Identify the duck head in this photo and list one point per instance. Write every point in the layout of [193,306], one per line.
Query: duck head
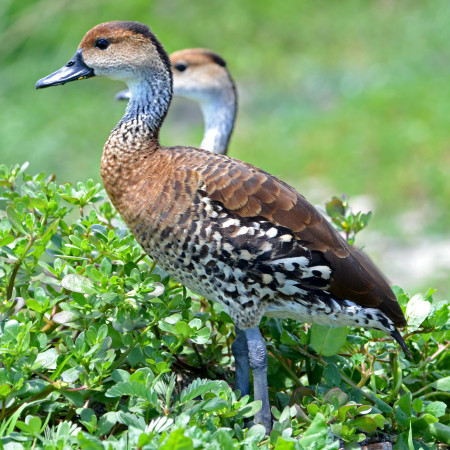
[200,74]
[126,51]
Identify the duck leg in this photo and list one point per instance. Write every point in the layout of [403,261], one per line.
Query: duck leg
[239,347]
[257,359]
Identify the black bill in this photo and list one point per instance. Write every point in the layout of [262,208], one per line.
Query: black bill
[75,69]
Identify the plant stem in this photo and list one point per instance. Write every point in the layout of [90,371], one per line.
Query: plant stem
[16,268]
[199,356]
[432,394]
[288,369]
[343,376]
[430,358]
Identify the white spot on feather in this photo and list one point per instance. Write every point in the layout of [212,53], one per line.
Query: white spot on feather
[242,230]
[288,263]
[230,222]
[324,270]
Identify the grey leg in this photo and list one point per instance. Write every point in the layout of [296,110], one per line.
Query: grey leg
[240,352]
[257,358]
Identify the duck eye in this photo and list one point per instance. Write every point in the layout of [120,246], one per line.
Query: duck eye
[102,44]
[181,67]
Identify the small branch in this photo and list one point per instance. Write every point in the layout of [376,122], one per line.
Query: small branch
[81,388]
[343,376]
[16,269]
[43,394]
[441,393]
[430,358]
[197,352]
[288,369]
[156,332]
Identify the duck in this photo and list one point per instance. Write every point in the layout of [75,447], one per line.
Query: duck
[201,75]
[224,228]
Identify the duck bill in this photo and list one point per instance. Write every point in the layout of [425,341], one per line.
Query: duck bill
[75,69]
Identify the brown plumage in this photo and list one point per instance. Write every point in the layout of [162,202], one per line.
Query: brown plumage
[227,230]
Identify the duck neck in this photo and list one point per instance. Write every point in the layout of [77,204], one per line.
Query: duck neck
[136,135]
[145,113]
[219,115]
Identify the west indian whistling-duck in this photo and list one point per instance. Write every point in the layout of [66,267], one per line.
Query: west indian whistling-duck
[225,229]
[201,75]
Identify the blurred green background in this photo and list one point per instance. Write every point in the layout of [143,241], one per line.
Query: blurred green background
[334,97]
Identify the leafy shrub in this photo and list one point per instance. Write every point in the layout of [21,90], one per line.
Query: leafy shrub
[99,348]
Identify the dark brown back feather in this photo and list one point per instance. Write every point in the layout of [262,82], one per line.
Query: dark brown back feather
[249,192]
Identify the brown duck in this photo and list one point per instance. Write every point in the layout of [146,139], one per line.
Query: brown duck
[227,230]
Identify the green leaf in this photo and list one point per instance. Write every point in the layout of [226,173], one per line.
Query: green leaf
[169,328]
[131,420]
[77,283]
[120,375]
[201,336]
[288,338]
[88,415]
[158,290]
[37,203]
[403,410]
[6,240]
[93,273]
[347,411]
[250,409]
[364,423]
[89,442]
[443,384]
[49,232]
[106,266]
[363,409]
[5,390]
[312,409]
[72,375]
[23,427]
[339,394]
[64,317]
[215,404]
[183,329]
[417,405]
[417,311]
[405,404]
[327,340]
[256,433]
[436,409]
[282,444]
[34,424]
[317,436]
[224,438]
[440,432]
[46,360]
[34,305]
[379,420]
[197,388]
[332,375]
[178,441]
[14,218]
[335,207]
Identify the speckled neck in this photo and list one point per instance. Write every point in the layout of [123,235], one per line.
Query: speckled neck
[137,133]
[150,100]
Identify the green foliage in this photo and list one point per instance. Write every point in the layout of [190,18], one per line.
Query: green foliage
[344,219]
[99,347]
